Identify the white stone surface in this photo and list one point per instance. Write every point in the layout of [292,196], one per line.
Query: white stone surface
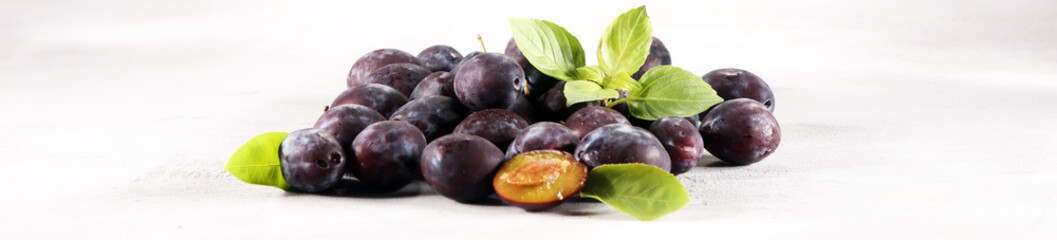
[901,119]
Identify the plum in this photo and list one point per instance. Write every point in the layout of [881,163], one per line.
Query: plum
[740,131]
[439,58]
[311,160]
[682,141]
[731,83]
[489,80]
[376,59]
[620,143]
[539,180]
[461,167]
[387,154]
[381,98]
[497,125]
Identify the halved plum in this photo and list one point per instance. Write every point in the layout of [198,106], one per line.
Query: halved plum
[539,180]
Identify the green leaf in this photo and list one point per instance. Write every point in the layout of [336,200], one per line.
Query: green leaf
[592,73]
[257,161]
[670,91]
[645,192]
[621,81]
[584,91]
[549,47]
[626,42]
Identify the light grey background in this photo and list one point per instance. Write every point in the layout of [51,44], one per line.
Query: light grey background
[900,119]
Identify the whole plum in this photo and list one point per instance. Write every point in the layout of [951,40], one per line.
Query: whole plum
[620,143]
[489,80]
[682,141]
[461,167]
[381,98]
[731,83]
[311,160]
[499,126]
[435,116]
[439,58]
[740,131]
[376,59]
[387,154]
[400,76]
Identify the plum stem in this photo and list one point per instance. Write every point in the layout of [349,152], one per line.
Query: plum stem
[614,103]
[482,43]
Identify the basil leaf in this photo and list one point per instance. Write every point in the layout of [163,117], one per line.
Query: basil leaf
[551,49]
[626,42]
[257,161]
[579,91]
[670,91]
[645,192]
[592,73]
[621,81]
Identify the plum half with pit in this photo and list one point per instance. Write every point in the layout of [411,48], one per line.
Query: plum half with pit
[439,58]
[311,160]
[543,135]
[377,59]
[435,116]
[497,125]
[682,141]
[461,167]
[619,143]
[590,118]
[731,83]
[403,77]
[489,80]
[539,180]
[387,154]
[740,131]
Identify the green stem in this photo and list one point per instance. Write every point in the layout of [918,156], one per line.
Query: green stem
[482,43]
[618,101]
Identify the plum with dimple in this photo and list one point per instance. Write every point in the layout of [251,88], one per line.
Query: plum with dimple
[489,80]
[740,131]
[732,83]
[377,59]
[311,160]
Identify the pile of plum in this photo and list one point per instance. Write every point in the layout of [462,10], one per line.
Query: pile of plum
[447,119]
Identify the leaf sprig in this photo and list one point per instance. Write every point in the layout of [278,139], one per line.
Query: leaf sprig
[623,49]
